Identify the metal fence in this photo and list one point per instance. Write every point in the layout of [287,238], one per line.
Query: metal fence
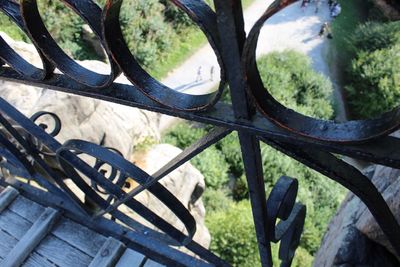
[31,151]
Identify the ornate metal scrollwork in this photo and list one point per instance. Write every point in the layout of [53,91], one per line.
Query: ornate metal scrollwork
[350,132]
[27,150]
[281,204]
[88,11]
[70,162]
[12,58]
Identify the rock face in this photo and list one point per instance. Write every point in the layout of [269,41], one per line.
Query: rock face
[353,237]
[82,117]
[121,127]
[186,183]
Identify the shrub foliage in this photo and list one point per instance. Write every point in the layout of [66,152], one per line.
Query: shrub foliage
[374,81]
[289,77]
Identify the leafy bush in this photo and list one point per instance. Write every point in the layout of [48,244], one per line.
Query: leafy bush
[372,36]
[302,258]
[210,162]
[11,29]
[374,83]
[233,235]
[212,165]
[66,28]
[146,31]
[230,148]
[183,135]
[174,15]
[240,189]
[236,241]
[290,79]
[216,200]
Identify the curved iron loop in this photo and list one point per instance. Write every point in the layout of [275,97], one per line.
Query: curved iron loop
[18,158]
[12,58]
[201,14]
[66,157]
[13,160]
[29,156]
[71,164]
[90,12]
[351,178]
[41,171]
[57,122]
[281,205]
[42,149]
[324,130]
[112,176]
[36,166]
[113,173]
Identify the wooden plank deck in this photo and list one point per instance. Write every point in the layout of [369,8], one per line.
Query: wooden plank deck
[32,235]
[31,239]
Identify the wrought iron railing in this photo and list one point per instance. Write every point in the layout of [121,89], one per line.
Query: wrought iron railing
[27,150]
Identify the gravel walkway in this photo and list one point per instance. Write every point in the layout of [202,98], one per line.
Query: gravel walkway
[292,28]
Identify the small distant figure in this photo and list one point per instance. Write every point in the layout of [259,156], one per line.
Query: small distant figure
[199,77]
[317,5]
[212,73]
[325,30]
[304,4]
[330,4]
[336,10]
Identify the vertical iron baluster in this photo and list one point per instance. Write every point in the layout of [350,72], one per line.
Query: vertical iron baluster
[232,35]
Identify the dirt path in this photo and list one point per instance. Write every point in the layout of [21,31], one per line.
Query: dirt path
[292,28]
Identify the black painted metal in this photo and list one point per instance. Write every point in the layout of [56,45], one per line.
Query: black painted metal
[296,122]
[31,151]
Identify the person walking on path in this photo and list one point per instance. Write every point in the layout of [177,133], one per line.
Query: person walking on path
[336,10]
[325,29]
[199,77]
[304,4]
[317,5]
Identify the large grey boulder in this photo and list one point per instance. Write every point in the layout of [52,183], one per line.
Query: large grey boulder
[186,183]
[121,127]
[353,237]
[84,118]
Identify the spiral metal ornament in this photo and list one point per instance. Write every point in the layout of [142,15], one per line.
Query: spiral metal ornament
[113,174]
[28,148]
[70,162]
[281,205]
[203,16]
[11,57]
[56,121]
[90,12]
[347,132]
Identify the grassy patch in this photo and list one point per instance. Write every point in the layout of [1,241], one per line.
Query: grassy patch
[189,42]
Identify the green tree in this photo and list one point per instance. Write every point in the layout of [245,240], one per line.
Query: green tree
[290,78]
[373,36]
[66,27]
[374,83]
[11,29]
[233,235]
[210,162]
